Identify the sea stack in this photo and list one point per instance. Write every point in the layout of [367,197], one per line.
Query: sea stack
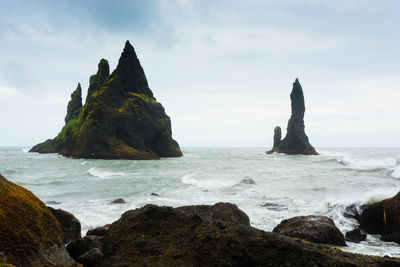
[296,140]
[121,118]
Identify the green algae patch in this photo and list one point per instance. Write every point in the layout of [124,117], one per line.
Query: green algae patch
[26,225]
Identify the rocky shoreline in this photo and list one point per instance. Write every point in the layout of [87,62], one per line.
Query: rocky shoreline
[203,235]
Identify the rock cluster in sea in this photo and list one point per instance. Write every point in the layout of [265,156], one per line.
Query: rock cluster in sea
[120,119]
[296,140]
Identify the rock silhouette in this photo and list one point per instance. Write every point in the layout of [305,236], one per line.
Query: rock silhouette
[121,118]
[295,141]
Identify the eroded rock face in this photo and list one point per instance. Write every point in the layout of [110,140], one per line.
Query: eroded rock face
[70,225]
[29,234]
[121,119]
[227,212]
[355,235]
[383,218]
[316,229]
[295,141]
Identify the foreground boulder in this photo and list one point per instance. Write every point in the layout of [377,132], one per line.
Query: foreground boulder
[383,218]
[70,225]
[29,234]
[163,236]
[355,235]
[295,141]
[316,229]
[227,212]
[121,118]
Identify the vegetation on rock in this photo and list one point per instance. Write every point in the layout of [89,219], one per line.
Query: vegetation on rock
[29,234]
[121,119]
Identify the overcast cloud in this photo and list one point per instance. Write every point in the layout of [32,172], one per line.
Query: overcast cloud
[223,70]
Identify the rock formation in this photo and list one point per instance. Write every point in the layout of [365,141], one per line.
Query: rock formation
[121,119]
[227,212]
[29,234]
[70,225]
[163,236]
[316,229]
[383,218]
[295,141]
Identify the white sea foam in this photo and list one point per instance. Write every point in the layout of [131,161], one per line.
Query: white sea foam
[363,164]
[396,172]
[83,163]
[25,150]
[104,174]
[206,184]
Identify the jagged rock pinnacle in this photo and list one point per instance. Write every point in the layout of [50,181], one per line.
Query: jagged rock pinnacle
[97,80]
[295,141]
[75,104]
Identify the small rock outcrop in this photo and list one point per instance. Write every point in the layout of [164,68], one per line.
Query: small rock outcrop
[383,218]
[355,235]
[29,234]
[70,225]
[222,211]
[316,229]
[295,141]
[164,236]
[80,247]
[118,201]
[99,231]
[121,118]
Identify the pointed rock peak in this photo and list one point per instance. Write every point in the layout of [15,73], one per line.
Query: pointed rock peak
[131,73]
[103,68]
[75,104]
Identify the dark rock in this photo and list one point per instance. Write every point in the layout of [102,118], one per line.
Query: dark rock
[154,194]
[80,246]
[70,225]
[227,212]
[383,218]
[74,105]
[296,141]
[353,211]
[29,234]
[121,119]
[169,237]
[248,181]
[355,236]
[316,229]
[99,231]
[52,202]
[277,137]
[118,201]
[274,206]
[91,258]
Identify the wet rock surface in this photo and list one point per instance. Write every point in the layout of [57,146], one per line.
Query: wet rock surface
[121,118]
[118,201]
[70,225]
[295,141]
[355,236]
[383,218]
[316,229]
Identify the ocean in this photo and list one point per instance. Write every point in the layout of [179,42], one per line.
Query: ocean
[269,188]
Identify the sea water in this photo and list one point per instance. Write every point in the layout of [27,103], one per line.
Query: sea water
[269,188]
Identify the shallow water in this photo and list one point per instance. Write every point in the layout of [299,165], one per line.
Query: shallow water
[285,185]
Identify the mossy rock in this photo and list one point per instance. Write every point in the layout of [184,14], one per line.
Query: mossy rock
[29,234]
[121,119]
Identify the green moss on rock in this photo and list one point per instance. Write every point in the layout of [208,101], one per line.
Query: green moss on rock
[29,234]
[121,119]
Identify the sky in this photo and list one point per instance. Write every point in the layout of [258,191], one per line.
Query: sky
[223,70]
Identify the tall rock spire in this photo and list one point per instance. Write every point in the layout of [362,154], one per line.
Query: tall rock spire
[295,141]
[75,104]
[130,72]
